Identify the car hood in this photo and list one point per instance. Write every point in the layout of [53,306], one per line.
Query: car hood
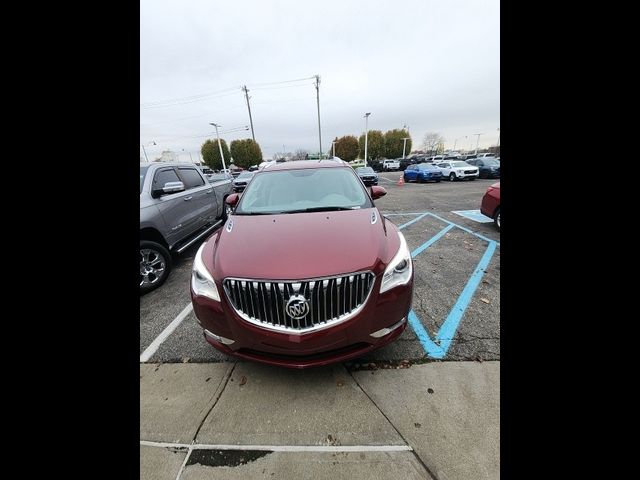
[301,245]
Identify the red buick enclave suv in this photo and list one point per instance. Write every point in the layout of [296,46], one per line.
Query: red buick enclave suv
[305,272]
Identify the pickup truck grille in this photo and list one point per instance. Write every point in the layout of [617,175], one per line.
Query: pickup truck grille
[329,301]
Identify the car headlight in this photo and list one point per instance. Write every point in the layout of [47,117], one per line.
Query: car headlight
[400,268]
[202,282]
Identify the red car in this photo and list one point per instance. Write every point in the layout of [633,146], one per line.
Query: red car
[305,272]
[491,204]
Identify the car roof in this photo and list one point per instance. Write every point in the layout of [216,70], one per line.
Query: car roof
[305,164]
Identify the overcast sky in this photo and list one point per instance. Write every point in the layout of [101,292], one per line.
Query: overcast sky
[433,65]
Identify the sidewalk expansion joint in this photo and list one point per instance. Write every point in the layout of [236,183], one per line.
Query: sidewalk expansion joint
[433,476]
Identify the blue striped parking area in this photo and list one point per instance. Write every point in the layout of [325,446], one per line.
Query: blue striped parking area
[439,345]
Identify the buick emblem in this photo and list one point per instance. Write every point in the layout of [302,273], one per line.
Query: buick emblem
[297,307]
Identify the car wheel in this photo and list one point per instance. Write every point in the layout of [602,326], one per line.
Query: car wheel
[155,265]
[496,218]
[472,178]
[421,180]
[452,177]
[484,174]
[437,181]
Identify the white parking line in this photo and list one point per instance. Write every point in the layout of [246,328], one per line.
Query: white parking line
[151,349]
[284,448]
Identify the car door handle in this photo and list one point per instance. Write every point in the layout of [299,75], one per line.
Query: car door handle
[186,199]
[209,191]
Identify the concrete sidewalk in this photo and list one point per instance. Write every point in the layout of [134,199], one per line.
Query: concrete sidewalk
[245,420]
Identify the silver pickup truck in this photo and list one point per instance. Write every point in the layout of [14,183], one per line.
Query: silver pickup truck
[178,207]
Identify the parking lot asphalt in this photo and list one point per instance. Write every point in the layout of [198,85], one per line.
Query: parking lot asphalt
[456,303]
[426,406]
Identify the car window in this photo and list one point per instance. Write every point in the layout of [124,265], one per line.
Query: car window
[479,163]
[192,178]
[492,162]
[299,190]
[143,174]
[164,176]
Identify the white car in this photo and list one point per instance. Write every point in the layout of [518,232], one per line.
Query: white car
[390,165]
[458,170]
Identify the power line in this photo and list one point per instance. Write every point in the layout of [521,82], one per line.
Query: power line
[186,99]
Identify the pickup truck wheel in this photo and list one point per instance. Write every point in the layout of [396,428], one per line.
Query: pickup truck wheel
[155,265]
[452,177]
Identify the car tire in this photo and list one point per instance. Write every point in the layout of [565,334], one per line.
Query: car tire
[472,178]
[452,177]
[496,218]
[437,181]
[156,262]
[484,175]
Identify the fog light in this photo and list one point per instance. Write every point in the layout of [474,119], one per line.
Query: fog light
[386,331]
[218,338]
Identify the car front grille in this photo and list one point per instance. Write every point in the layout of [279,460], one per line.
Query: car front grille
[329,301]
[469,171]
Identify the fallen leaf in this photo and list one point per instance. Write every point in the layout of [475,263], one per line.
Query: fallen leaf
[484,300]
[243,380]
[185,360]
[340,383]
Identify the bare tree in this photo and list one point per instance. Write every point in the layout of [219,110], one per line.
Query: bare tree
[431,140]
[300,154]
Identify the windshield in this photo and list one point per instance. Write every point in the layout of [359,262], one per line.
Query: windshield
[365,170]
[427,166]
[143,173]
[459,164]
[293,191]
[491,162]
[245,176]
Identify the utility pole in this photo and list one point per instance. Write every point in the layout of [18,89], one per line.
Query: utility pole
[224,167]
[246,94]
[404,146]
[366,136]
[145,154]
[477,142]
[318,101]
[333,144]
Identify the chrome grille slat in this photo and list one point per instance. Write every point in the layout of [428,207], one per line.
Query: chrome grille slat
[330,300]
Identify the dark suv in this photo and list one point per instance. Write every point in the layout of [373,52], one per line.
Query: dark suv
[489,167]
[305,272]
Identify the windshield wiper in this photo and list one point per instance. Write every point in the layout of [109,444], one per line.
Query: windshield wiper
[320,209]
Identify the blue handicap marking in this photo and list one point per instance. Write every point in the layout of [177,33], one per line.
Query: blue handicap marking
[439,345]
[474,215]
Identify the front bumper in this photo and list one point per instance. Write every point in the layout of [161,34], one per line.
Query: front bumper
[342,342]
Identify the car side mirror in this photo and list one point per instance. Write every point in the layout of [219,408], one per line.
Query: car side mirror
[169,187]
[173,187]
[232,200]
[377,192]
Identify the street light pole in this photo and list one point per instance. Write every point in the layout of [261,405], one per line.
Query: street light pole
[498,137]
[404,146]
[145,153]
[366,136]
[224,167]
[477,142]
[333,144]
[318,101]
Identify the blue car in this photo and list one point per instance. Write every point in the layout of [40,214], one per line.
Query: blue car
[423,172]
